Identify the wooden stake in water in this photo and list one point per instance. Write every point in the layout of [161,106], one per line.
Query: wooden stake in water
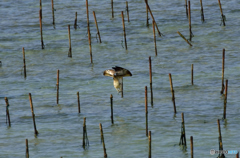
[112,8]
[27,151]
[222,15]
[111,102]
[57,85]
[147,23]
[191,140]
[183,135]
[159,33]
[223,65]
[127,11]
[40,21]
[146,110]
[90,45]
[33,115]
[186,6]
[88,25]
[225,100]
[173,96]
[75,22]
[78,98]
[24,63]
[70,45]
[202,14]
[98,33]
[85,137]
[154,37]
[124,31]
[184,38]
[122,89]
[7,113]
[40,8]
[150,76]
[150,145]
[237,155]
[104,149]
[53,13]
[192,74]
[221,155]
[189,20]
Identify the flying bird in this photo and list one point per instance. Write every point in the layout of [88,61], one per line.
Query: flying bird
[117,73]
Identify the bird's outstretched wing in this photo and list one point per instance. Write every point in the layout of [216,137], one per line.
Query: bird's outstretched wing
[121,72]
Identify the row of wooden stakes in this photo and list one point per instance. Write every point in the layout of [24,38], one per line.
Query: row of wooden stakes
[154,24]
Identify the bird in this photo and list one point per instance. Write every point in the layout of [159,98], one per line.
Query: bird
[117,73]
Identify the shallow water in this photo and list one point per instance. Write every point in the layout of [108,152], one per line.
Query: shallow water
[60,126]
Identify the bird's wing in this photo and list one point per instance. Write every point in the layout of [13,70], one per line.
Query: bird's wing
[121,71]
[109,72]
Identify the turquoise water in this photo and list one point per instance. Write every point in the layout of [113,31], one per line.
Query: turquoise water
[60,126]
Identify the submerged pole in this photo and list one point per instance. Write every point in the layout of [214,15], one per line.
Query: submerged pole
[225,100]
[223,65]
[104,149]
[146,110]
[33,115]
[24,63]
[111,102]
[70,46]
[150,76]
[173,96]
[7,113]
[124,31]
[57,85]
[98,33]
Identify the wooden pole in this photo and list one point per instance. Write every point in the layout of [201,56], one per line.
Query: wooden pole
[150,75]
[70,46]
[186,6]
[189,20]
[220,140]
[98,33]
[127,11]
[225,100]
[191,140]
[154,37]
[112,8]
[40,21]
[7,113]
[223,65]
[146,110]
[237,155]
[33,115]
[183,135]
[202,15]
[75,22]
[122,89]
[88,25]
[53,13]
[173,97]
[57,86]
[90,45]
[104,149]
[192,74]
[40,8]
[111,102]
[159,33]
[78,98]
[223,16]
[85,137]
[124,31]
[147,23]
[27,151]
[184,38]
[24,63]
[150,145]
